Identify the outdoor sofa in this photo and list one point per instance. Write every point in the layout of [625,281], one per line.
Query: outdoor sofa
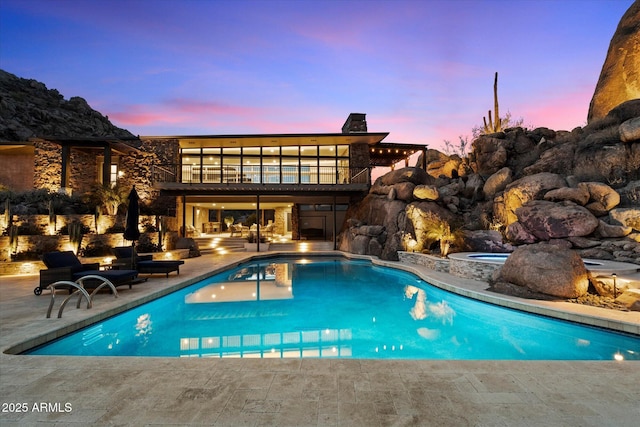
[126,257]
[65,265]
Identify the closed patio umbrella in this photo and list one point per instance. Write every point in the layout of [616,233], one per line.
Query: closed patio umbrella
[131,231]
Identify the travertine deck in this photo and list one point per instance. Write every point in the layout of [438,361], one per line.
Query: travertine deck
[310,392]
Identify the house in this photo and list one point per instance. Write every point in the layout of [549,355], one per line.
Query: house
[302,183]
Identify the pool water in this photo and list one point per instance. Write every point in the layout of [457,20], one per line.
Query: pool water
[334,308]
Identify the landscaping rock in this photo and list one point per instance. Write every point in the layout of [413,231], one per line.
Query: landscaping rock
[630,130]
[548,220]
[630,299]
[579,196]
[546,269]
[602,193]
[426,192]
[606,230]
[526,189]
[497,182]
[629,217]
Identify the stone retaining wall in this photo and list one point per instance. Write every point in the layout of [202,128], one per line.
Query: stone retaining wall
[460,268]
[472,269]
[429,261]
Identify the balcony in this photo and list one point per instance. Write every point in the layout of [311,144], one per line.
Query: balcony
[176,176]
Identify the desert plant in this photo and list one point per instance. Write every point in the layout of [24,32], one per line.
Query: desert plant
[110,197]
[13,238]
[75,235]
[461,149]
[494,125]
[228,220]
[439,230]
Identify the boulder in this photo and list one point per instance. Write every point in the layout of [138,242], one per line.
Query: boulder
[606,286]
[528,188]
[583,242]
[490,154]
[579,196]
[446,166]
[549,220]
[620,76]
[546,269]
[426,192]
[630,130]
[630,299]
[414,175]
[497,182]
[597,209]
[404,191]
[558,159]
[486,241]
[605,230]
[629,217]
[518,234]
[473,186]
[602,193]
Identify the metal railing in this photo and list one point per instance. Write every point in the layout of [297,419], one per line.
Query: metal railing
[255,174]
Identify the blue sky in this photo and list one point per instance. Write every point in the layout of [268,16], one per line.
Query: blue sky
[420,69]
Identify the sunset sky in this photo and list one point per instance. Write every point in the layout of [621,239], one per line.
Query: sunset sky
[421,70]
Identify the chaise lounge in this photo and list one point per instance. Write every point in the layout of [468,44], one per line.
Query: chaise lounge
[144,264]
[65,265]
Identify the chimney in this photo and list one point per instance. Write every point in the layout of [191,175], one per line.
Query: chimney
[356,122]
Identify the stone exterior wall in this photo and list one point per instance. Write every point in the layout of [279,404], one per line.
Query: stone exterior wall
[359,155]
[47,165]
[83,171]
[295,222]
[280,220]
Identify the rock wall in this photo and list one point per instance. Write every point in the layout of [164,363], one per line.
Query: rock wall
[575,190]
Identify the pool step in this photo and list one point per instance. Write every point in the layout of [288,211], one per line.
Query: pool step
[302,246]
[210,245]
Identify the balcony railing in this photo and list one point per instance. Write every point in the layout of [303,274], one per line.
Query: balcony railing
[301,174]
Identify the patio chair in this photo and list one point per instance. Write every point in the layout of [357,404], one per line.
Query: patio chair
[144,264]
[238,229]
[65,265]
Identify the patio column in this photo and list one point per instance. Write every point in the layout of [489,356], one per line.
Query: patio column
[258,223]
[184,216]
[64,172]
[106,166]
[335,227]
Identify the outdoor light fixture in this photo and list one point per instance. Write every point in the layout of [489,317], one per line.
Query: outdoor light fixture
[615,287]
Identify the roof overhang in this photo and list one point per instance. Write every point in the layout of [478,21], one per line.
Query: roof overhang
[274,140]
[388,153]
[121,145]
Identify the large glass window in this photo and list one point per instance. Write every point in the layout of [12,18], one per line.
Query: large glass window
[308,164]
[211,165]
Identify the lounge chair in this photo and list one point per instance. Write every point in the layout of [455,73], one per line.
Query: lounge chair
[144,264]
[238,229]
[65,265]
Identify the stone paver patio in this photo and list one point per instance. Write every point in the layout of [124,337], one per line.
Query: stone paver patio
[46,390]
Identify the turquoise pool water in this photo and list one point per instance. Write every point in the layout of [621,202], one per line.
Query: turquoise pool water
[334,308]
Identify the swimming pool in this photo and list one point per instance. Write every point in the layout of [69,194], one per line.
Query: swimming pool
[334,308]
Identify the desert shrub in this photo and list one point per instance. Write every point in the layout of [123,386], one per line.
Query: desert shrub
[96,250]
[114,229]
[26,256]
[64,230]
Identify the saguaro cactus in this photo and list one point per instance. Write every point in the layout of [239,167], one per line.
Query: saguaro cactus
[494,125]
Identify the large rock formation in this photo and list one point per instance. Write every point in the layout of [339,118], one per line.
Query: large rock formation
[620,76]
[578,189]
[28,109]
